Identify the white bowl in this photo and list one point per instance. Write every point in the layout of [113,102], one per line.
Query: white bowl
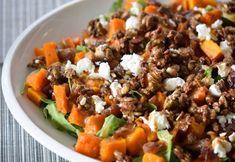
[68,20]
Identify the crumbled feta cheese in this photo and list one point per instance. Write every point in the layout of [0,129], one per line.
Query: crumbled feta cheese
[83,101]
[99,104]
[223,69]
[215,90]
[156,121]
[104,71]
[132,63]
[69,65]
[226,119]
[227,50]
[203,32]
[233,67]
[136,8]
[85,64]
[103,21]
[199,9]
[221,147]
[170,84]
[99,51]
[49,77]
[222,120]
[36,61]
[132,23]
[217,24]
[90,41]
[114,88]
[232,137]
[222,134]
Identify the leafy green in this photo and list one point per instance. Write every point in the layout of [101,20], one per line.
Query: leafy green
[58,120]
[150,106]
[111,123]
[209,8]
[116,5]
[208,72]
[135,94]
[229,17]
[217,78]
[142,2]
[23,89]
[138,159]
[165,136]
[47,101]
[82,48]
[226,159]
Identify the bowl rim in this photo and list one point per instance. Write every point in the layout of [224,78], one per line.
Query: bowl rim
[19,115]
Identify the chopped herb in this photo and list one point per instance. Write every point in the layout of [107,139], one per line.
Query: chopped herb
[226,159]
[150,106]
[111,123]
[82,48]
[217,78]
[23,89]
[47,101]
[209,8]
[135,94]
[116,5]
[59,121]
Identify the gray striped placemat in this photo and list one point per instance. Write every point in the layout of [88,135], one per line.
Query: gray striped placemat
[16,144]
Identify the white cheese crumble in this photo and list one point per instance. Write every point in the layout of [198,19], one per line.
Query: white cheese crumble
[203,32]
[99,103]
[232,137]
[132,23]
[85,64]
[221,147]
[156,121]
[132,63]
[226,119]
[136,8]
[170,84]
[226,49]
[114,88]
[199,9]
[83,101]
[222,134]
[69,65]
[172,22]
[103,21]
[36,61]
[217,24]
[215,90]
[233,67]
[223,69]
[104,71]
[49,77]
[99,51]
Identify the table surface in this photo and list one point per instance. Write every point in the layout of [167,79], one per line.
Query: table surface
[16,144]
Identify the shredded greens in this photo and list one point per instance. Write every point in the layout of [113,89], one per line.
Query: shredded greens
[165,136]
[111,124]
[209,8]
[135,94]
[208,72]
[82,48]
[58,119]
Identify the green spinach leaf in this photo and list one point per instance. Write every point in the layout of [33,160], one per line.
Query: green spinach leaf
[111,123]
[82,48]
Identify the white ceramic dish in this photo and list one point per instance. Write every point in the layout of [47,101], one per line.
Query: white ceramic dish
[67,20]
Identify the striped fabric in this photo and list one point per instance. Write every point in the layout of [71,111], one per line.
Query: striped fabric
[16,144]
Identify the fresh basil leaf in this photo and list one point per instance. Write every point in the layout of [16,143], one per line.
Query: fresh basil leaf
[208,72]
[142,2]
[209,8]
[82,48]
[116,6]
[165,136]
[135,94]
[138,159]
[58,120]
[111,123]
